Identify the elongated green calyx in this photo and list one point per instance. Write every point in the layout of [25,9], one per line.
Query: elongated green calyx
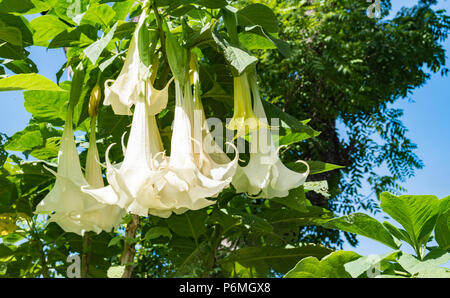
[77,85]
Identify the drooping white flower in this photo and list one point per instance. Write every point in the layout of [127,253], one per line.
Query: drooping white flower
[134,82]
[192,174]
[265,176]
[74,210]
[138,180]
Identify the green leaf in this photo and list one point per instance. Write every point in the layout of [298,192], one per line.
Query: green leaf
[364,225]
[399,234]
[11,35]
[147,41]
[176,56]
[295,200]
[46,28]
[21,66]
[74,37]
[430,263]
[98,14]
[19,22]
[189,224]
[213,4]
[8,192]
[442,230]
[281,45]
[122,8]
[239,59]
[258,261]
[49,106]
[29,81]
[7,6]
[157,232]
[5,251]
[315,167]
[258,14]
[94,51]
[26,139]
[297,130]
[116,240]
[417,214]
[255,42]
[331,266]
[365,264]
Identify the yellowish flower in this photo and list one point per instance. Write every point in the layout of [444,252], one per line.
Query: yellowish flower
[265,176]
[244,119]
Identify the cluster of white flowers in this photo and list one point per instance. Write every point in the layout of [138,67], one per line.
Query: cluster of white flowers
[148,181]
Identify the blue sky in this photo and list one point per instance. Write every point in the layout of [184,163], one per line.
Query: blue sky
[426,118]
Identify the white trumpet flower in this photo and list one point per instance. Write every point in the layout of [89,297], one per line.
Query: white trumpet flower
[74,210]
[192,175]
[265,176]
[138,180]
[134,83]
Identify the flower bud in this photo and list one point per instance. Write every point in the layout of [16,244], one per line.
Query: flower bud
[94,100]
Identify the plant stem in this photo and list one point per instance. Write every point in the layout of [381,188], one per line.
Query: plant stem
[35,237]
[43,260]
[85,255]
[129,248]
[216,239]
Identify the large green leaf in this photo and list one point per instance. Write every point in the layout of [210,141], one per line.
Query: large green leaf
[7,6]
[417,214]
[27,139]
[8,192]
[239,59]
[5,251]
[331,266]
[315,167]
[46,28]
[291,130]
[21,66]
[19,22]
[12,35]
[442,230]
[364,225]
[49,106]
[258,261]
[98,14]
[370,263]
[279,44]
[258,14]
[189,224]
[426,266]
[75,37]
[29,81]
[176,56]
[94,51]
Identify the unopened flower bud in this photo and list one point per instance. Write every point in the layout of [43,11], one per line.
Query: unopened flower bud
[94,100]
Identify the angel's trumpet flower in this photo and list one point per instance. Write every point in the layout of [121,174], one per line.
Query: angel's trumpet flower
[209,157]
[244,119]
[138,180]
[265,176]
[134,81]
[74,210]
[189,179]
